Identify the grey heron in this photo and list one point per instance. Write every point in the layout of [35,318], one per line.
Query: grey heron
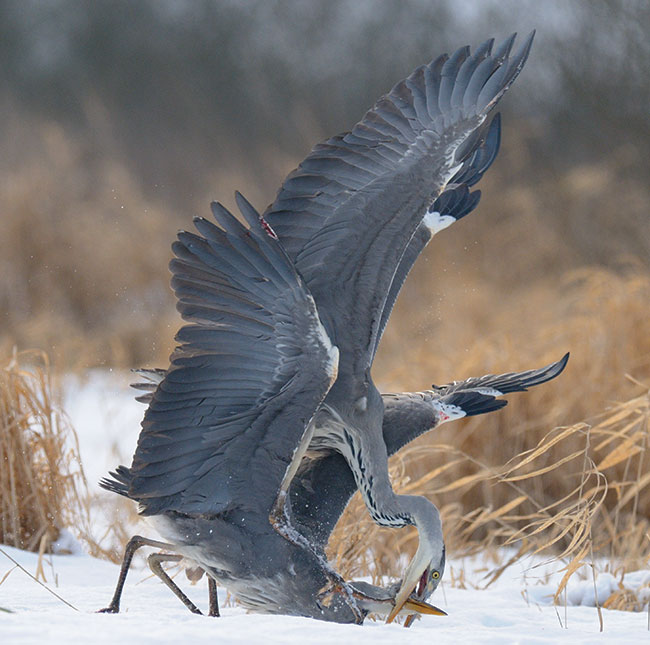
[268,419]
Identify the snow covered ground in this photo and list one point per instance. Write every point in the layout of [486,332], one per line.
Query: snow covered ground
[151,614]
[516,609]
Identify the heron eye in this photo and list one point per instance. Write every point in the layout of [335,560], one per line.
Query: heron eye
[435,575]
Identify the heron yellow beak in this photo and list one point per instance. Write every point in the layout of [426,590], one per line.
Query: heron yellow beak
[421,607]
[416,569]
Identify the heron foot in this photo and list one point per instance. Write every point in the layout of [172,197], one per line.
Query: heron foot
[155,561]
[132,546]
[326,596]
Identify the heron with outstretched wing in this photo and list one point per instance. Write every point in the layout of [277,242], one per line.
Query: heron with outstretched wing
[285,317]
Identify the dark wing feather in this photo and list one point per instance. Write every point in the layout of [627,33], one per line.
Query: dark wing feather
[347,214]
[499,384]
[152,378]
[453,204]
[321,492]
[251,369]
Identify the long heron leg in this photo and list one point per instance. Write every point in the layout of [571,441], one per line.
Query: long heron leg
[280,521]
[155,561]
[132,546]
[195,574]
[214,599]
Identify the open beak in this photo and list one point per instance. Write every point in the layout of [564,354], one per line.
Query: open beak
[376,601]
[416,569]
[421,607]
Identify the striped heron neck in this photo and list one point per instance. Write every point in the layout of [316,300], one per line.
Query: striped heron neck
[366,454]
[367,457]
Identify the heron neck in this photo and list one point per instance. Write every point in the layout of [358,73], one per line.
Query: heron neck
[368,460]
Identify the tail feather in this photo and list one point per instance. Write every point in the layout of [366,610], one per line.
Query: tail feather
[119,481]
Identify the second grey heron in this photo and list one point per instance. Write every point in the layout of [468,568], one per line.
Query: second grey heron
[285,317]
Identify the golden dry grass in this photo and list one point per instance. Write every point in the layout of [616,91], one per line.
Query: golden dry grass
[547,475]
[42,483]
[83,257]
[84,248]
[42,487]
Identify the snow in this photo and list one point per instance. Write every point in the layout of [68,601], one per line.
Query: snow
[585,592]
[151,614]
[517,608]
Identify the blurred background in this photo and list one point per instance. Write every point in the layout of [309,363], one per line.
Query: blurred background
[121,120]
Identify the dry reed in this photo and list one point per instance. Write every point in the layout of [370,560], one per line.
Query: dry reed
[598,520]
[42,484]
[84,248]
[41,480]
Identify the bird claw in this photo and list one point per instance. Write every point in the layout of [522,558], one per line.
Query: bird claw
[326,594]
[325,597]
[336,585]
[111,609]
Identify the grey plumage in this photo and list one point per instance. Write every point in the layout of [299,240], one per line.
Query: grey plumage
[454,202]
[354,203]
[284,319]
[249,373]
[321,493]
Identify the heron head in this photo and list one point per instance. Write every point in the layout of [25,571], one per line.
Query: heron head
[379,600]
[422,576]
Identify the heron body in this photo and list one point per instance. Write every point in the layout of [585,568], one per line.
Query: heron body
[267,419]
[283,579]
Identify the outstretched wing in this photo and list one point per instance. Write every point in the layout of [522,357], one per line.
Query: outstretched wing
[410,414]
[251,369]
[320,493]
[500,384]
[349,211]
[453,204]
